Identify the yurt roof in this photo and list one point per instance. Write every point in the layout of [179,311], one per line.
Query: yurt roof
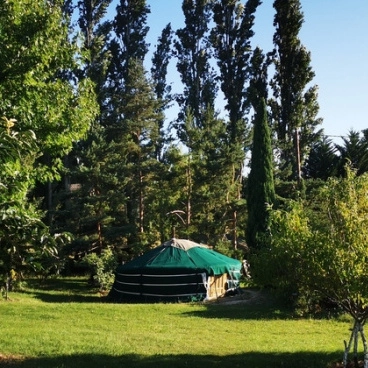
[182,254]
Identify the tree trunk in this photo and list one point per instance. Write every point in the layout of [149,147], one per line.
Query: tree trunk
[348,346]
[141,203]
[235,235]
[365,346]
[357,329]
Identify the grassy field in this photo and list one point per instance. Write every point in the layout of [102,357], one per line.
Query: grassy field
[65,324]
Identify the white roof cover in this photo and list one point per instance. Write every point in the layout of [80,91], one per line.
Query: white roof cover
[183,244]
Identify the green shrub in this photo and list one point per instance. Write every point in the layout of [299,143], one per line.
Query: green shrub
[102,268]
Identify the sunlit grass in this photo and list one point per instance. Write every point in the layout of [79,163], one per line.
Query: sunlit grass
[75,327]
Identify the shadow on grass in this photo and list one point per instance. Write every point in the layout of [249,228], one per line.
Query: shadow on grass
[251,359]
[63,290]
[265,307]
[243,312]
[67,297]
[65,284]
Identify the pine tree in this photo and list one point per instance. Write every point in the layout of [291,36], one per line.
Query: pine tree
[322,161]
[141,133]
[207,176]
[353,152]
[197,117]
[130,123]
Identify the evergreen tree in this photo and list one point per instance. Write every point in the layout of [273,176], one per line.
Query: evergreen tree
[141,131]
[117,176]
[294,104]
[261,190]
[168,196]
[127,117]
[322,162]
[208,177]
[95,199]
[353,152]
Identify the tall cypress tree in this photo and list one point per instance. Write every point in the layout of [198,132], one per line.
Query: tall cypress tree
[261,189]
[294,105]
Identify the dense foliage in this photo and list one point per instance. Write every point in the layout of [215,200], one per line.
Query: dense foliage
[318,252]
[89,157]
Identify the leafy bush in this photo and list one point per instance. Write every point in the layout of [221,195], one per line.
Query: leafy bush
[102,268]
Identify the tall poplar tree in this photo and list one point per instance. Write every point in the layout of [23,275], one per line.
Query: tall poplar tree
[129,26]
[193,54]
[231,40]
[96,33]
[294,104]
[128,44]
[160,62]
[197,115]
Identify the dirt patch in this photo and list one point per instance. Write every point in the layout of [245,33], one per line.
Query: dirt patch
[9,360]
[349,365]
[243,297]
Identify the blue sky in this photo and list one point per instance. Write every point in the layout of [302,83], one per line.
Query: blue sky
[334,31]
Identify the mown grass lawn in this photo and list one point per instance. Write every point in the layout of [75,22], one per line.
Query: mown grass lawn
[64,324]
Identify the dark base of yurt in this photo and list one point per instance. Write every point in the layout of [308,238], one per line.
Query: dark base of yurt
[158,287]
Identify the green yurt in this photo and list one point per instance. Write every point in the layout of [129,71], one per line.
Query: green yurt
[178,270]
